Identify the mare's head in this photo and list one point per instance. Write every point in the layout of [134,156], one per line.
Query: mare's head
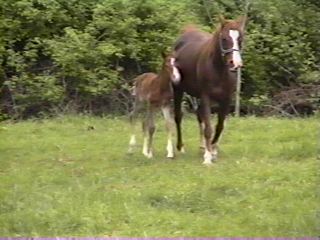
[169,67]
[230,41]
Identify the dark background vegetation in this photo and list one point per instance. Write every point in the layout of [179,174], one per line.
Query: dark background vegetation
[79,56]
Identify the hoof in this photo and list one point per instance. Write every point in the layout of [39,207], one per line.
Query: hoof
[170,156]
[207,163]
[182,150]
[208,157]
[148,154]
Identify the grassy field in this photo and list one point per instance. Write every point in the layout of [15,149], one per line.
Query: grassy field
[59,178]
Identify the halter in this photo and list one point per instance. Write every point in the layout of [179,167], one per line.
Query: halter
[225,51]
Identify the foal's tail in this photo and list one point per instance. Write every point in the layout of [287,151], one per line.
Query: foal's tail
[133,91]
[135,84]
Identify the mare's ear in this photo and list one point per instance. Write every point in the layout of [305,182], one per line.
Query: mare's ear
[221,19]
[242,20]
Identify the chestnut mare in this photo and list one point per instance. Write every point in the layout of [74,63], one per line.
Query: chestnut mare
[152,92]
[207,64]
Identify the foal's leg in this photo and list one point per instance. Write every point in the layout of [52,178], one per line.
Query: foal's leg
[222,113]
[208,155]
[178,117]
[148,131]
[133,120]
[166,110]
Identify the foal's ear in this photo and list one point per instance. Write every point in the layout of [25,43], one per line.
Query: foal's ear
[163,54]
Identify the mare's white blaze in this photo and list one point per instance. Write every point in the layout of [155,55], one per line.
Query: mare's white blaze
[236,56]
[170,125]
[176,77]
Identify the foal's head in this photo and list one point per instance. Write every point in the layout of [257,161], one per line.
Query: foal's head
[230,41]
[169,67]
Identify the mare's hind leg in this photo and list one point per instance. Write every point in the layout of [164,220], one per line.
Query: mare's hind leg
[148,131]
[222,113]
[178,117]
[166,110]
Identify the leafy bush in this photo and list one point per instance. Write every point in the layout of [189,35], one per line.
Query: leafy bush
[83,53]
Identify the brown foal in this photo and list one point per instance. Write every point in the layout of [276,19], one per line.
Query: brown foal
[153,92]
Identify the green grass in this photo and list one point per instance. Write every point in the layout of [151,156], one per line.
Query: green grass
[57,178]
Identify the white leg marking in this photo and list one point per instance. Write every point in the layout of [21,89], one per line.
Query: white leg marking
[132,143]
[183,150]
[236,56]
[150,155]
[207,157]
[166,113]
[170,149]
[215,153]
[169,124]
[176,77]
[145,147]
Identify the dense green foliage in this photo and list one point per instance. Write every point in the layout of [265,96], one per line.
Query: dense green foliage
[61,53]
[53,183]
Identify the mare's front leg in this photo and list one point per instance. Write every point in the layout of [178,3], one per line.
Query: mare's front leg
[166,110]
[148,131]
[178,94]
[208,154]
[222,113]
[201,126]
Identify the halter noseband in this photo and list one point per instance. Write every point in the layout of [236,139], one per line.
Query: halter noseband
[225,51]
